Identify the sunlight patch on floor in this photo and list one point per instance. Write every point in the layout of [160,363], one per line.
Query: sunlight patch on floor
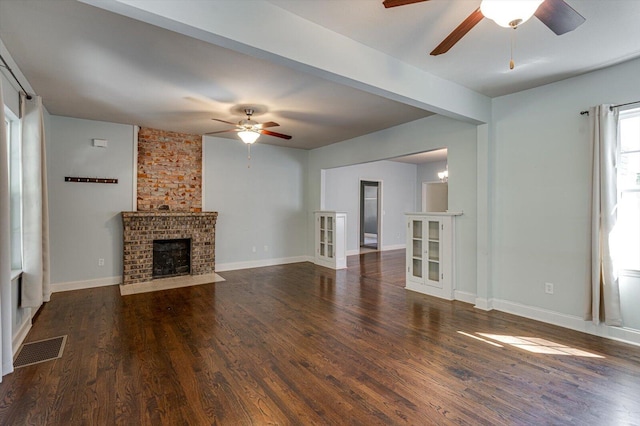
[480,338]
[530,344]
[539,345]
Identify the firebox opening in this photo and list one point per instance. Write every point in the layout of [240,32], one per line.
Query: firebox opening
[171,258]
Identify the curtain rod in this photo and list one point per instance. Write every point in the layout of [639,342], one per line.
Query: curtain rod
[14,77]
[612,107]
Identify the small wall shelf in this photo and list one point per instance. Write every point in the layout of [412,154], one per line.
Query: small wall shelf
[90,180]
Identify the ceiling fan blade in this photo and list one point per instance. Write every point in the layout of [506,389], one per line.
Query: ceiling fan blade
[277,135]
[268,124]
[559,16]
[394,3]
[222,131]
[455,36]
[223,121]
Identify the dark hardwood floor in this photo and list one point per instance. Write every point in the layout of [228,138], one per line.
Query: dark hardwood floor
[300,344]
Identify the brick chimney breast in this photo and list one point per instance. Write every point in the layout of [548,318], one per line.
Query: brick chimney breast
[169,171]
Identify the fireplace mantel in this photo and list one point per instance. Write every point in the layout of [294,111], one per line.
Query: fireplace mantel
[140,229]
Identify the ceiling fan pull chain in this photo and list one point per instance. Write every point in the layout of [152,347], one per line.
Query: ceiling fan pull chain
[248,156]
[513,42]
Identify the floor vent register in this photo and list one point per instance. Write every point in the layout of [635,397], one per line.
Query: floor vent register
[40,351]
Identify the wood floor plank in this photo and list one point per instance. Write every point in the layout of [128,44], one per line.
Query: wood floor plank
[302,344]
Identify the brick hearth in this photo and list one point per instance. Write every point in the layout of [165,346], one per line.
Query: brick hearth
[141,228]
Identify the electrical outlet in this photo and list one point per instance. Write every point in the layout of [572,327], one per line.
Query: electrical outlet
[253,249]
[266,248]
[100,262]
[548,288]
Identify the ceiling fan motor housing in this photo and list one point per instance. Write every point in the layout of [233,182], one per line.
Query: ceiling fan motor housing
[247,123]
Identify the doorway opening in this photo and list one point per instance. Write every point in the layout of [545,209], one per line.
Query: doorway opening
[369,215]
[435,196]
[434,176]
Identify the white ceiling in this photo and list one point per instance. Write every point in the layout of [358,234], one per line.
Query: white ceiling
[89,63]
[480,61]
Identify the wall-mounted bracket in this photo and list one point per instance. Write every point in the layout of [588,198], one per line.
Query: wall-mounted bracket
[90,180]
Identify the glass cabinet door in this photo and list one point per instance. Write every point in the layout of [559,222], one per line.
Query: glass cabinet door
[323,236]
[330,236]
[433,253]
[416,248]
[326,236]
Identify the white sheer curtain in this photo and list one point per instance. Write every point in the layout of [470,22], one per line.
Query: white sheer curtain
[605,294]
[6,352]
[35,211]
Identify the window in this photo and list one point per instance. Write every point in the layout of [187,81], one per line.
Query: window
[629,190]
[15,187]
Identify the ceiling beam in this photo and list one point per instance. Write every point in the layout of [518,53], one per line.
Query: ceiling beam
[263,30]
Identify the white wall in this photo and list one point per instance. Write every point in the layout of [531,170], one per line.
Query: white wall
[85,218]
[10,95]
[629,297]
[342,193]
[263,205]
[418,136]
[541,188]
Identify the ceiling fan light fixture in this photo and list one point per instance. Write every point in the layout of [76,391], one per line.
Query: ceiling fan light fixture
[509,13]
[249,136]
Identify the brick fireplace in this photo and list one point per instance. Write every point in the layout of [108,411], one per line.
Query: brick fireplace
[141,229]
[169,204]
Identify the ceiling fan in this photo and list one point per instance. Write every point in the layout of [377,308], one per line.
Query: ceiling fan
[557,15]
[250,130]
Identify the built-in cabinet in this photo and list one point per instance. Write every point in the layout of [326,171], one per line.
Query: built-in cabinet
[331,239]
[430,253]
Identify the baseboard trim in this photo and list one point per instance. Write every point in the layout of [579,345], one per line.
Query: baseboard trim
[621,334]
[103,282]
[484,304]
[232,266]
[464,296]
[428,290]
[81,285]
[21,334]
[394,247]
[385,248]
